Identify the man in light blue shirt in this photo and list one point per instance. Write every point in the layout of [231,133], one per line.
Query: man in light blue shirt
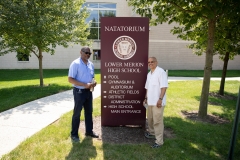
[80,75]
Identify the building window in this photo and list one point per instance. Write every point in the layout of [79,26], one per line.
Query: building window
[96,54]
[22,56]
[98,10]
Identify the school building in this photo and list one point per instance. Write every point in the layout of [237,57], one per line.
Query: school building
[172,53]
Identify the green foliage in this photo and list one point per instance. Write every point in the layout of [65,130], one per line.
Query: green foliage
[23,56]
[190,15]
[193,17]
[39,26]
[35,25]
[227,36]
[93,30]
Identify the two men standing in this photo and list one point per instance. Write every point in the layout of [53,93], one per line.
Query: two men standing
[81,73]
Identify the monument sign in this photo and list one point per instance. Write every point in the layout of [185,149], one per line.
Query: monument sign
[124,57]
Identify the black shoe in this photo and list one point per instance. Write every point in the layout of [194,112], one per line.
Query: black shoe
[75,139]
[93,135]
[155,145]
[148,135]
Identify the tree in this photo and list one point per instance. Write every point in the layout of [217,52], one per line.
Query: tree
[37,26]
[226,45]
[187,13]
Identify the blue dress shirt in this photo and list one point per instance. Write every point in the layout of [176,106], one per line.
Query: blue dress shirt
[81,72]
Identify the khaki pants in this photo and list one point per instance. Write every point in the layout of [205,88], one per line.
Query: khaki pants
[155,122]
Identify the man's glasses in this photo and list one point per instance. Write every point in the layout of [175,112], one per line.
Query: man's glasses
[89,53]
[151,62]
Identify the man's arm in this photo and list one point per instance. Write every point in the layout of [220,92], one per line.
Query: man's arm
[159,102]
[145,99]
[77,83]
[163,91]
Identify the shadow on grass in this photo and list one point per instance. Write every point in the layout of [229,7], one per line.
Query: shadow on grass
[227,103]
[83,150]
[12,97]
[199,140]
[192,140]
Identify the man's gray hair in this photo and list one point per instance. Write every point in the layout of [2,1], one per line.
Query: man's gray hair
[154,58]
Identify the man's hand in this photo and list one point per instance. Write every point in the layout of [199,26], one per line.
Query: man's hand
[159,103]
[95,83]
[145,101]
[88,85]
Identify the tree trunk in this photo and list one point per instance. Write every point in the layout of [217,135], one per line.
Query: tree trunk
[202,112]
[224,73]
[40,67]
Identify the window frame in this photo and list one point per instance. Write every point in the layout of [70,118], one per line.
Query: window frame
[98,7]
[22,57]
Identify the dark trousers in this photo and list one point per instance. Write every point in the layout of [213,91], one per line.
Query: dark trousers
[82,99]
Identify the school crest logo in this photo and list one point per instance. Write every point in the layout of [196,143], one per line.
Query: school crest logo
[124,47]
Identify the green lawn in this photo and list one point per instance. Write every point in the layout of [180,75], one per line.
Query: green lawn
[193,140]
[200,73]
[21,86]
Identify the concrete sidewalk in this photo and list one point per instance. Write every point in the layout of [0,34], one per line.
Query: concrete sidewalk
[23,121]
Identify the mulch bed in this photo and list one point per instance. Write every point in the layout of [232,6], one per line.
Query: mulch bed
[212,119]
[122,134]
